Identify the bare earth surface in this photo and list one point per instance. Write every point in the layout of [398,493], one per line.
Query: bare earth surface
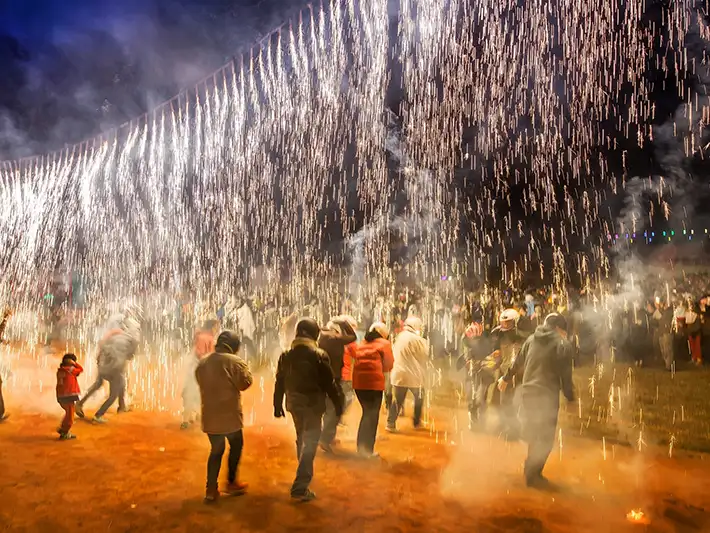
[141,473]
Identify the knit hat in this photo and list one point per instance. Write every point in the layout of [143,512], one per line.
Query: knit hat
[381,329]
[308,328]
[228,342]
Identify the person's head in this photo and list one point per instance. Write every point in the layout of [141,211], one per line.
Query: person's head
[414,324]
[308,328]
[558,323]
[68,359]
[211,325]
[378,330]
[228,342]
[508,319]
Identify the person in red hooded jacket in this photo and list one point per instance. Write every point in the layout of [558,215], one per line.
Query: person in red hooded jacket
[372,359]
[68,393]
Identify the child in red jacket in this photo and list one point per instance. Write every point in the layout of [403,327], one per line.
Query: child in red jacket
[68,393]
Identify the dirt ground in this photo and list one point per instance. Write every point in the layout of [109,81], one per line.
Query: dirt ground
[140,472]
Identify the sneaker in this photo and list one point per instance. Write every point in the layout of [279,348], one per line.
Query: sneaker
[364,454]
[211,496]
[185,425]
[4,417]
[391,429]
[307,496]
[537,482]
[67,436]
[236,489]
[124,410]
[99,420]
[80,411]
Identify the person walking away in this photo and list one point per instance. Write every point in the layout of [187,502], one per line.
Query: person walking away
[116,350]
[411,354]
[304,376]
[203,345]
[338,333]
[3,324]
[373,359]
[222,377]
[546,364]
[68,393]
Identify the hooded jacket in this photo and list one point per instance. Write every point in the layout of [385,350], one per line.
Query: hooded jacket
[222,378]
[67,384]
[116,349]
[372,360]
[333,342]
[304,376]
[545,361]
[411,354]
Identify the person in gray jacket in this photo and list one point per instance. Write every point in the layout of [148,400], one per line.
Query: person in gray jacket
[546,363]
[116,350]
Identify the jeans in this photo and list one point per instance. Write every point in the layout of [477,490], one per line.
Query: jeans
[116,391]
[388,392]
[95,387]
[539,416]
[308,430]
[476,391]
[214,463]
[400,394]
[665,342]
[371,401]
[68,420]
[330,421]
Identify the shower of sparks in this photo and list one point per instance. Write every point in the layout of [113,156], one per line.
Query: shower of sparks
[283,161]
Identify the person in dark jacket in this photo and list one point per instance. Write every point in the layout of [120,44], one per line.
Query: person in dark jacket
[476,348]
[337,334]
[546,363]
[3,324]
[304,376]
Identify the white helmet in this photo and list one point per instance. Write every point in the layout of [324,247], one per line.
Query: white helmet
[508,319]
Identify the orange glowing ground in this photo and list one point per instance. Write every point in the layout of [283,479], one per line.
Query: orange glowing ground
[141,473]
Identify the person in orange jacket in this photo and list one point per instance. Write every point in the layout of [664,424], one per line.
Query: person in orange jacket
[372,360]
[68,393]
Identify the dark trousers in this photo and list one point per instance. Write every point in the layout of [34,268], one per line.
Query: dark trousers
[2,402]
[214,463]
[330,420]
[371,402]
[400,393]
[68,420]
[539,417]
[116,391]
[308,426]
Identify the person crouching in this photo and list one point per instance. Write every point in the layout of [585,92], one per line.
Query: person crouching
[222,377]
[68,393]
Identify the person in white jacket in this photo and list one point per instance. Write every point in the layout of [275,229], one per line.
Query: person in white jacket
[411,354]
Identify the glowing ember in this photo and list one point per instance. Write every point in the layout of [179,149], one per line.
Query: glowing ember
[637,516]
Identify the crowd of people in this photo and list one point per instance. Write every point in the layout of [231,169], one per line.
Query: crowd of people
[514,351]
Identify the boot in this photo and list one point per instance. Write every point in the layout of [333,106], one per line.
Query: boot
[211,496]
[236,488]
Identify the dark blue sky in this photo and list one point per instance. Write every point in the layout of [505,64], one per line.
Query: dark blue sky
[72,68]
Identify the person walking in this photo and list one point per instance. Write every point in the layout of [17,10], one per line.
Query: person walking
[116,350]
[203,345]
[338,333]
[68,393]
[411,354]
[373,359]
[304,376]
[546,363]
[222,377]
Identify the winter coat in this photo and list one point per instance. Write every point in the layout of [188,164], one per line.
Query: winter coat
[411,353]
[115,351]
[305,377]
[372,361]
[222,378]
[545,361]
[348,360]
[333,342]
[67,384]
